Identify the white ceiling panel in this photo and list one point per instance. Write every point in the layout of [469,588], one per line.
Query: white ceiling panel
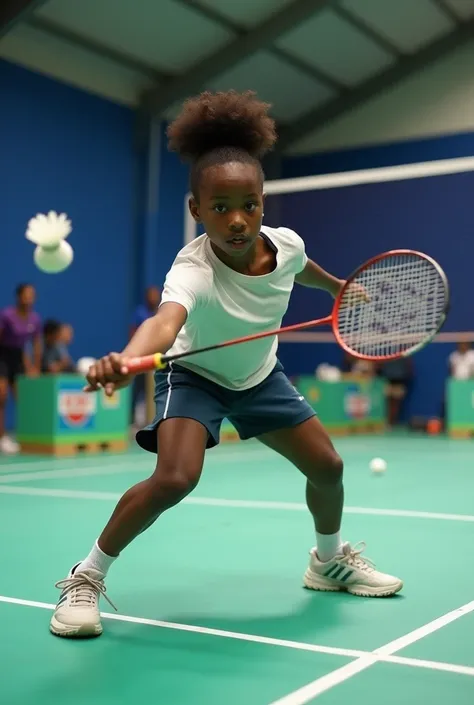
[463,8]
[408,24]
[337,48]
[423,105]
[247,13]
[40,52]
[162,33]
[290,92]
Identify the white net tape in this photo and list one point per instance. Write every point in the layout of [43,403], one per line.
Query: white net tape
[407,299]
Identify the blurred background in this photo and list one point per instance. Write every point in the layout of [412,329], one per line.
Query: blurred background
[87,89]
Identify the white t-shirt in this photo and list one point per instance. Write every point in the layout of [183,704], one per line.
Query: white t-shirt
[223,304]
[462,364]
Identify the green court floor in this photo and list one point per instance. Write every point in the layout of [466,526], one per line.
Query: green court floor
[211,609]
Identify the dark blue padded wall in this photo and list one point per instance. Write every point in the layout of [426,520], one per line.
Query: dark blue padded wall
[345,226]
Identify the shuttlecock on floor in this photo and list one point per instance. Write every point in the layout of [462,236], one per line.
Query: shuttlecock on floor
[52,254]
[378,465]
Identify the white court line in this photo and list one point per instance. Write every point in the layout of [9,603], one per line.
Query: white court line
[299,507]
[64,494]
[111,468]
[271,641]
[236,503]
[90,470]
[311,691]
[53,463]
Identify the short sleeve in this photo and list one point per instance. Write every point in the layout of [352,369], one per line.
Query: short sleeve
[298,249]
[188,285]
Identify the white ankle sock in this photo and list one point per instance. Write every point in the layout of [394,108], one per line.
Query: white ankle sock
[327,545]
[97,560]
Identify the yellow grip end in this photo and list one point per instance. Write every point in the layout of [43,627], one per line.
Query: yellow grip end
[158,360]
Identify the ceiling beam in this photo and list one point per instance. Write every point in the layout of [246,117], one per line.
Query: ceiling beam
[361,25]
[447,11]
[14,11]
[52,29]
[405,67]
[243,46]
[313,72]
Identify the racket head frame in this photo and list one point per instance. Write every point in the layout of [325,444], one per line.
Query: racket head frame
[366,265]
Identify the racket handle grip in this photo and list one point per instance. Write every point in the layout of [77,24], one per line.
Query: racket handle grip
[147,363]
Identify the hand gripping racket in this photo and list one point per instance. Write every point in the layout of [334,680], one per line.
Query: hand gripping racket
[390,307]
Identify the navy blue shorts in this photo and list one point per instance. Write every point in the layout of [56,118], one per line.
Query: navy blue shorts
[271,405]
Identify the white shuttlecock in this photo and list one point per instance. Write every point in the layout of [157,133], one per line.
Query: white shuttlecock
[48,232]
[378,465]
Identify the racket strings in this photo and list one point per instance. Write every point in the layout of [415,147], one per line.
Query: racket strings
[407,298]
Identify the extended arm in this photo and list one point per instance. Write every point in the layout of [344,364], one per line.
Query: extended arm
[316,277]
[156,334]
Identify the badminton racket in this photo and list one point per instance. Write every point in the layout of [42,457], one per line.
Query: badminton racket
[390,307]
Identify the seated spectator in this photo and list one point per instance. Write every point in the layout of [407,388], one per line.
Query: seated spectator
[55,359]
[399,375]
[66,334]
[461,362]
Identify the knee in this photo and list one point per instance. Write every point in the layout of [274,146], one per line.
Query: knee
[169,485]
[328,469]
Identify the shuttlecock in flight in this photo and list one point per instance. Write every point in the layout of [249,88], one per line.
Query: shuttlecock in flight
[52,254]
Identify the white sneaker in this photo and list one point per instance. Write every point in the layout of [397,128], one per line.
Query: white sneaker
[8,446]
[77,612]
[349,572]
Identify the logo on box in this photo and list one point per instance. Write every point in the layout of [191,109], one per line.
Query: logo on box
[76,409]
[357,405]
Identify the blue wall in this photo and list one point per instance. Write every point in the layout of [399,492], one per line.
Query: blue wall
[343,227]
[65,150]
[173,187]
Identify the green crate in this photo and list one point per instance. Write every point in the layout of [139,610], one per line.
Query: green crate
[460,408]
[346,406]
[55,415]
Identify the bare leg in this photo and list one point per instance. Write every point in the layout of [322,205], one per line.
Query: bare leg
[335,565]
[181,448]
[310,449]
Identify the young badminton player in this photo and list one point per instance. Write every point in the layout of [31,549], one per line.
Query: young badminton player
[233,281]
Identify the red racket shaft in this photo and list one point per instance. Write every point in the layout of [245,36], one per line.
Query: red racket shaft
[158,361]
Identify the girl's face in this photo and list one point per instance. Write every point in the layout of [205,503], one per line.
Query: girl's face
[230,206]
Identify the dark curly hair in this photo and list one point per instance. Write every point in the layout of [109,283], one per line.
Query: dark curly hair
[20,288]
[216,128]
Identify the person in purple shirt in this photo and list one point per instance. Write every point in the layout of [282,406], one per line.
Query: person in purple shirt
[20,327]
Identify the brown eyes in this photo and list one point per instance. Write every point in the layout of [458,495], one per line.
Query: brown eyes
[222,208]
